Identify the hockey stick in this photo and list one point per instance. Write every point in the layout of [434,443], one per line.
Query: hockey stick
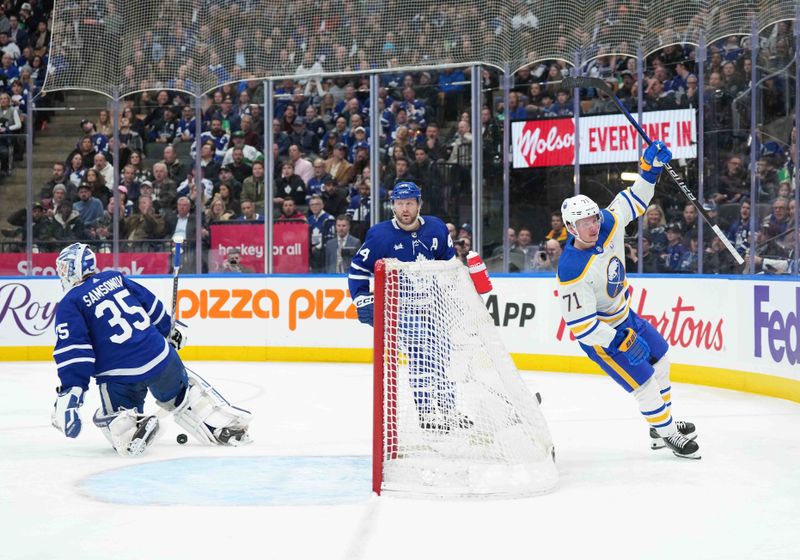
[176,270]
[585,82]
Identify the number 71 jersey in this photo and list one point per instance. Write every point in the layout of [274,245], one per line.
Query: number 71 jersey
[110,327]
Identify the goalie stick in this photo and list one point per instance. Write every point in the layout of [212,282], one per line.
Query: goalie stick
[176,269]
[586,82]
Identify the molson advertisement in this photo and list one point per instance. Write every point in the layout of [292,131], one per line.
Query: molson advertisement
[718,326]
[603,139]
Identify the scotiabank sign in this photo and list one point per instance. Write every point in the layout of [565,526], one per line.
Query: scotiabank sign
[603,139]
[44,264]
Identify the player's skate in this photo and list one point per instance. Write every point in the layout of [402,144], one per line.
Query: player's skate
[128,431]
[684,428]
[433,422]
[682,446]
[147,430]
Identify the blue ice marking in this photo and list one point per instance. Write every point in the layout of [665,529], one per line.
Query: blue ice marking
[236,481]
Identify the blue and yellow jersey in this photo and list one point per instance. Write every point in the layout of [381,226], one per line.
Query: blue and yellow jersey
[592,284]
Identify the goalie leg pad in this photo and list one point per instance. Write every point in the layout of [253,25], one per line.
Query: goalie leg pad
[128,431]
[208,416]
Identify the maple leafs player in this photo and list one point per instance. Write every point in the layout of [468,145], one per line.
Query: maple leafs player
[115,330]
[410,237]
[595,303]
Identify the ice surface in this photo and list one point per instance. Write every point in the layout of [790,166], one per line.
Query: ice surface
[299,490]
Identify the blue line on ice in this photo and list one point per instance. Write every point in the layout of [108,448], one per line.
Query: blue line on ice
[236,481]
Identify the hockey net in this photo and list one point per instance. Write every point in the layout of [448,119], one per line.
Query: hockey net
[452,415]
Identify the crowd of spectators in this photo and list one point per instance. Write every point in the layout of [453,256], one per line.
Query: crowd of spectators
[24,50]
[670,231]
[321,148]
[322,139]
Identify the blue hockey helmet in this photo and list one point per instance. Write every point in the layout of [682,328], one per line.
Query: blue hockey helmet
[405,189]
[74,263]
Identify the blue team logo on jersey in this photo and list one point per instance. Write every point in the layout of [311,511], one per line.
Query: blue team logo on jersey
[615,275]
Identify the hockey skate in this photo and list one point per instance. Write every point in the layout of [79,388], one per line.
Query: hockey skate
[146,431]
[682,446]
[439,423]
[684,428]
[232,436]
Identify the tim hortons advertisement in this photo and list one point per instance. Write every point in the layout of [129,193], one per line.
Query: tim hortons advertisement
[44,264]
[736,324]
[289,247]
[603,139]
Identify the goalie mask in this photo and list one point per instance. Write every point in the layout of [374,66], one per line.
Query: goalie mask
[75,263]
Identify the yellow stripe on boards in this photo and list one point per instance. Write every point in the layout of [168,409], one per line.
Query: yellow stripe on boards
[615,366]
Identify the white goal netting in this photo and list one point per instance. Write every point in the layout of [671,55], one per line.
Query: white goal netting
[126,46]
[457,418]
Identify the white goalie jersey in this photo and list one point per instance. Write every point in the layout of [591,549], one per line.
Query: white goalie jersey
[592,286]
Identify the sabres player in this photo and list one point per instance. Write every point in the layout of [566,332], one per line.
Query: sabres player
[595,304]
[116,331]
[409,237]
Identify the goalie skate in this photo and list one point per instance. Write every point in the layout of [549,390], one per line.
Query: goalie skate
[147,430]
[684,428]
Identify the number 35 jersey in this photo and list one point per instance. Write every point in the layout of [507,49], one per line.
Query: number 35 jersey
[592,287]
[110,327]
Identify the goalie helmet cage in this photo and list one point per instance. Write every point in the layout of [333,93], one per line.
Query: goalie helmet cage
[452,416]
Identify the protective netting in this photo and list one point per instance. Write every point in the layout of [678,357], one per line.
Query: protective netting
[196,45]
[458,420]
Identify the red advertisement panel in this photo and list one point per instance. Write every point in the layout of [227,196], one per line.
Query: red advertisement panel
[44,264]
[544,143]
[289,249]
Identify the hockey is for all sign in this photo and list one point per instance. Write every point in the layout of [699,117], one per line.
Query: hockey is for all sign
[603,139]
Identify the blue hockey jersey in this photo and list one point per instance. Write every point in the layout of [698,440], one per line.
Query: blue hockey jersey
[388,240]
[110,327]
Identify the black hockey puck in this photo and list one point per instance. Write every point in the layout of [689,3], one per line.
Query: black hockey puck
[182,438]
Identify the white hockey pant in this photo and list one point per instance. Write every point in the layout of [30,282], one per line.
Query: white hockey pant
[206,414]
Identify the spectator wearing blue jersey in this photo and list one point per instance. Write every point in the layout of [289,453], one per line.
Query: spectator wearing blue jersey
[675,253]
[409,237]
[114,330]
[217,136]
[320,230]
[317,182]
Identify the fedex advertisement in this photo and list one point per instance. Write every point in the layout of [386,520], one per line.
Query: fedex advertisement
[603,138]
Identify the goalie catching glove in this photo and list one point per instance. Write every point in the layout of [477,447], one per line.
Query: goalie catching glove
[365,307]
[65,416]
[633,346]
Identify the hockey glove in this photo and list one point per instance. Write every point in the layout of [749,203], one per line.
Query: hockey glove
[653,160]
[633,346]
[365,308]
[65,411]
[177,338]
